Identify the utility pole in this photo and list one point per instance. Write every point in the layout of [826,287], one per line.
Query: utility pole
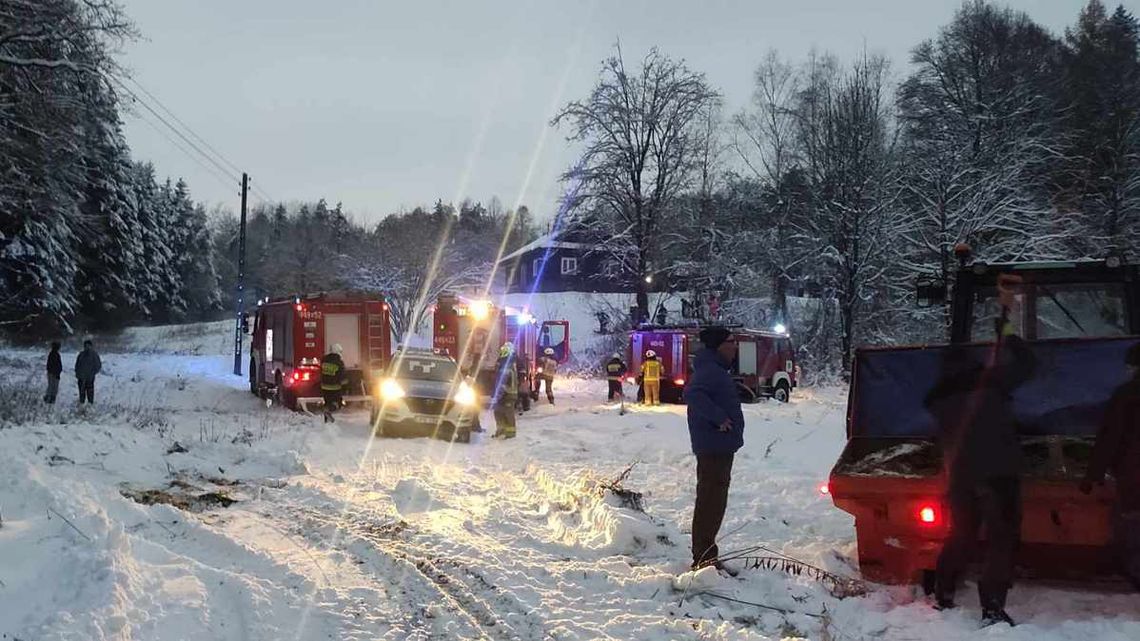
[240,278]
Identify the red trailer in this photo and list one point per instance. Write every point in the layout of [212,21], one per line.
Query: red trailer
[472,331]
[1079,319]
[765,364]
[291,335]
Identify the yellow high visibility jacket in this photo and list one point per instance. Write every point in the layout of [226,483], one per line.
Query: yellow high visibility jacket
[651,371]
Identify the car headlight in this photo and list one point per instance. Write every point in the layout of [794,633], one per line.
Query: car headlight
[465,395]
[391,390]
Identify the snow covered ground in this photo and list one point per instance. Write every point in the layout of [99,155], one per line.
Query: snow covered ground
[333,535]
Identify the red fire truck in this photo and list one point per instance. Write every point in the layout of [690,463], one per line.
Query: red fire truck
[472,331]
[765,365]
[290,335]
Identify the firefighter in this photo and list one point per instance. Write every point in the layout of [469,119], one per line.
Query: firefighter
[506,393]
[615,370]
[87,367]
[651,378]
[982,455]
[334,379]
[547,369]
[1117,450]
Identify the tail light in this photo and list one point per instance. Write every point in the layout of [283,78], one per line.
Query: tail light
[928,515]
[825,489]
[679,382]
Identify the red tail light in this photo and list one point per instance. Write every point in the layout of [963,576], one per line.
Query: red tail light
[928,515]
[299,307]
[296,376]
[679,382]
[825,489]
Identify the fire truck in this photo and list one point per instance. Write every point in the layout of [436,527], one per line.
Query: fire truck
[472,331]
[765,365]
[291,335]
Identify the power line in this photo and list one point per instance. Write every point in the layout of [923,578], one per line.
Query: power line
[174,129]
[184,125]
[223,178]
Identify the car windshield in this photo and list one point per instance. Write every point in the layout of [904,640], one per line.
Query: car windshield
[425,368]
[1058,311]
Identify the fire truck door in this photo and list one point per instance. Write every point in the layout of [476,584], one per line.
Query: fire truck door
[344,329]
[556,336]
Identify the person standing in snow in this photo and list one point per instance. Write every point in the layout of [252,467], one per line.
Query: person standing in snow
[547,369]
[615,370]
[1117,450]
[54,371]
[334,379]
[716,429]
[506,393]
[651,378]
[982,455]
[87,366]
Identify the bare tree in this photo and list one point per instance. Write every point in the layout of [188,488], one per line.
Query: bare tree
[641,137]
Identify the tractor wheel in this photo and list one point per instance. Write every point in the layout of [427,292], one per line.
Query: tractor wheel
[783,393]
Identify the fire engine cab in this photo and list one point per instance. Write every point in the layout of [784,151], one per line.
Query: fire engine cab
[765,365]
[472,331]
[291,335]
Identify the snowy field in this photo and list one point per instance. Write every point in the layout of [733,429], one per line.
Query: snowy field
[181,508]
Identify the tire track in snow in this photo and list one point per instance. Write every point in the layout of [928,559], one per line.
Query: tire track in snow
[485,607]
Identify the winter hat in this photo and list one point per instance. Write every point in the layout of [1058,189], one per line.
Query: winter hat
[713,337]
[337,349]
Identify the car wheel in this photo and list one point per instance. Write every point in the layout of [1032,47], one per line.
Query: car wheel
[782,394]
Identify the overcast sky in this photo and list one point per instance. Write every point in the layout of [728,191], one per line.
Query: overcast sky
[387,105]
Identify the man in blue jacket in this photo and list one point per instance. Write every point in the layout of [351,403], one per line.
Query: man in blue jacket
[716,428]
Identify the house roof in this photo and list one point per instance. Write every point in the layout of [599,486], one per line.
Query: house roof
[548,241]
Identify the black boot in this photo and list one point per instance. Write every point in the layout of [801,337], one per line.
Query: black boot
[992,598]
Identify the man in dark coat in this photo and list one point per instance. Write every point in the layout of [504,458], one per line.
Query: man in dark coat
[716,430]
[982,456]
[334,379]
[615,369]
[54,371]
[1117,450]
[87,367]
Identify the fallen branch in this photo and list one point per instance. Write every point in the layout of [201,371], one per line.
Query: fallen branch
[65,520]
[762,606]
[630,498]
[840,587]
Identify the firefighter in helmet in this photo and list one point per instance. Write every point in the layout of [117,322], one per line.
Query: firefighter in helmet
[506,392]
[615,369]
[334,380]
[547,368]
[651,378]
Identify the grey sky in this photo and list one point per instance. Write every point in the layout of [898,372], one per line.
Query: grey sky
[386,105]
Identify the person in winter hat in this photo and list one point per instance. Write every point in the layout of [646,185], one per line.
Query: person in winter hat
[615,370]
[651,378]
[1117,450]
[87,367]
[54,371]
[506,393]
[716,431]
[547,369]
[973,406]
[334,380]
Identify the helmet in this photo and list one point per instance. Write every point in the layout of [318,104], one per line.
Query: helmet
[506,350]
[617,355]
[651,354]
[549,351]
[337,349]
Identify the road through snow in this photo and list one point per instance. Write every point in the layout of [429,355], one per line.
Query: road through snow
[335,535]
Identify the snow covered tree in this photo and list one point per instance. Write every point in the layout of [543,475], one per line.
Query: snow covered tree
[1101,178]
[641,134]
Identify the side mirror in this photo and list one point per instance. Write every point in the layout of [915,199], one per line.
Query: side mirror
[930,291]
